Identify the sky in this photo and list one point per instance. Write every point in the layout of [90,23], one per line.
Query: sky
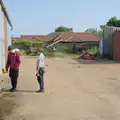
[41,17]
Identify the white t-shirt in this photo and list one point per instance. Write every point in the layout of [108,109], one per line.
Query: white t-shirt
[41,61]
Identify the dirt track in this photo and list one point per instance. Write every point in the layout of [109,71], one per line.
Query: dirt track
[73,91]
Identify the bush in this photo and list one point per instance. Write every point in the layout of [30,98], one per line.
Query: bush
[22,52]
[32,54]
[37,44]
[93,49]
[68,50]
[27,43]
[50,54]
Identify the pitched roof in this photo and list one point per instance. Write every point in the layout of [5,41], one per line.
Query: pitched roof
[88,37]
[37,38]
[55,34]
[16,38]
[79,37]
[62,37]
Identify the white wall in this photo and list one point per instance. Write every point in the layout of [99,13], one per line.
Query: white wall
[2,42]
[9,35]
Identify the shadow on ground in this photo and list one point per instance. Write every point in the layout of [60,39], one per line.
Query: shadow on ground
[21,91]
[99,61]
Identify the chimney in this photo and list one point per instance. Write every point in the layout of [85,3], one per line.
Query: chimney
[70,30]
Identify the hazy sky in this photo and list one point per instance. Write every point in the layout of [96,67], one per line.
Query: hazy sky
[43,16]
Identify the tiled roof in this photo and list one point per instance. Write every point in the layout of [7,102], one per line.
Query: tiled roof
[67,37]
[16,38]
[55,34]
[79,37]
[37,38]
[88,37]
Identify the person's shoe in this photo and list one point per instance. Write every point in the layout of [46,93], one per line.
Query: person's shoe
[38,91]
[41,90]
[13,90]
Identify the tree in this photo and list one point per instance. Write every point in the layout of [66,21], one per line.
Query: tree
[113,21]
[95,31]
[62,29]
[91,30]
[100,33]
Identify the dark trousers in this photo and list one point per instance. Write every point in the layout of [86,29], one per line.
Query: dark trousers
[14,76]
[40,78]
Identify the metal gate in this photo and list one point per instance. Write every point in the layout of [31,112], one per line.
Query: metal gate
[108,40]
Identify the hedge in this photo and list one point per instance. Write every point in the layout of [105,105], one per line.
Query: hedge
[27,43]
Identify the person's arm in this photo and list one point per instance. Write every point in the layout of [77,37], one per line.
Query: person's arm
[18,61]
[37,66]
[8,63]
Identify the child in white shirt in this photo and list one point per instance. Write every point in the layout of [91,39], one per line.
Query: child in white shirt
[40,70]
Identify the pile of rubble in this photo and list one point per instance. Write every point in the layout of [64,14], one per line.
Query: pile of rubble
[86,56]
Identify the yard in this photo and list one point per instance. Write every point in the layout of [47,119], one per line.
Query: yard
[74,91]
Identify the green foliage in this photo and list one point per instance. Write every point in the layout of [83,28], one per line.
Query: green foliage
[62,29]
[68,50]
[95,31]
[113,21]
[93,49]
[37,44]
[27,43]
[91,30]
[32,54]
[28,53]
[63,55]
[100,33]
[22,52]
[64,48]
[49,54]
